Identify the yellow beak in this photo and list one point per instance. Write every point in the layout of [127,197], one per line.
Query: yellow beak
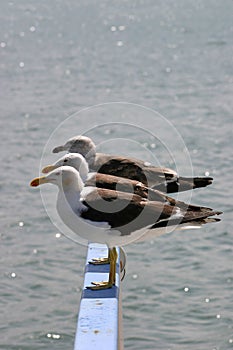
[48,168]
[38,181]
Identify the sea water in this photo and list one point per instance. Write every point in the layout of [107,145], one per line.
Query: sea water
[174,57]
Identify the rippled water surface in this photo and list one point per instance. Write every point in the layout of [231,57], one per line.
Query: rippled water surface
[171,56]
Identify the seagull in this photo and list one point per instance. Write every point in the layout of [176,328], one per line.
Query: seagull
[111,182]
[116,216]
[163,179]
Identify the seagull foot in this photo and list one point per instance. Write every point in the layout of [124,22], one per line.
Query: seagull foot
[99,261]
[100,285]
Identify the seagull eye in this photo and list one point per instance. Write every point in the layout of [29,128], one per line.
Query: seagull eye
[65,160]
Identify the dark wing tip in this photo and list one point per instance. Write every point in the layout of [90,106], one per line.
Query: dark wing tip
[202,181]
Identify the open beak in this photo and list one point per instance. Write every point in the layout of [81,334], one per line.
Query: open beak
[48,168]
[38,181]
[59,149]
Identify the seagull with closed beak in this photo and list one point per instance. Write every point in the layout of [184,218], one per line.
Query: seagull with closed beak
[163,179]
[111,182]
[116,218]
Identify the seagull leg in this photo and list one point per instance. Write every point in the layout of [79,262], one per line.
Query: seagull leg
[112,273]
[105,261]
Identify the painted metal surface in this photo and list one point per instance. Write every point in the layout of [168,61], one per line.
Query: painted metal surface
[99,321]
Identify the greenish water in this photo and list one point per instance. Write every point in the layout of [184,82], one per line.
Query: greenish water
[171,56]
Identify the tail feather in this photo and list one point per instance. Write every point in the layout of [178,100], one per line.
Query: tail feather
[199,181]
[183,184]
[191,219]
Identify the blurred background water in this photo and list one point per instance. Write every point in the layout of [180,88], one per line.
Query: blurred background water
[172,56]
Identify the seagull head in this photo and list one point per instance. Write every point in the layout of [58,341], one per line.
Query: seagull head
[78,144]
[65,177]
[74,160]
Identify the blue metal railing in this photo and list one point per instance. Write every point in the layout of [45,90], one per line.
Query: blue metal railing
[99,323]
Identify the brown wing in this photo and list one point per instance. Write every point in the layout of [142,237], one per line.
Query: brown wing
[129,213]
[122,184]
[132,169]
[162,179]
[122,210]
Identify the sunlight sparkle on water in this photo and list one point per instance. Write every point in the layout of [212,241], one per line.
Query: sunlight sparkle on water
[53,336]
[32,29]
[21,64]
[186,289]
[168,69]
[3,44]
[120,43]
[58,235]
[21,224]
